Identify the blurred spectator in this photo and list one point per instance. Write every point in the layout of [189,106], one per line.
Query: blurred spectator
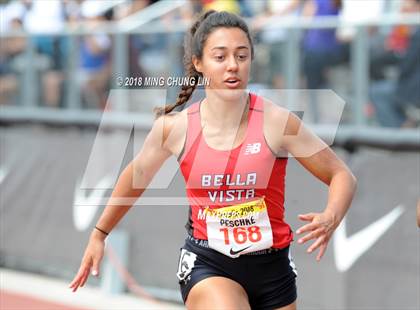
[393,99]
[95,68]
[389,51]
[321,48]
[275,37]
[157,54]
[48,17]
[355,13]
[386,43]
[189,11]
[231,6]
[10,10]
[73,11]
[130,7]
[11,48]
[246,8]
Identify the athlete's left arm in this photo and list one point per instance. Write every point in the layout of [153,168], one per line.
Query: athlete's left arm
[313,154]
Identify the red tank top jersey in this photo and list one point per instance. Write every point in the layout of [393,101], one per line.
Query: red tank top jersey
[216,178]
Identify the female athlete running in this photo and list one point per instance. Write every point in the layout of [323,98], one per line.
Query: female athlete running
[232,150]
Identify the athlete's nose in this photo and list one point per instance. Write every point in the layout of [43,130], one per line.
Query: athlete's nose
[232,64]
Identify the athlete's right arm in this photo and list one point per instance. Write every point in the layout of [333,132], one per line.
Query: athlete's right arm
[418,213]
[130,185]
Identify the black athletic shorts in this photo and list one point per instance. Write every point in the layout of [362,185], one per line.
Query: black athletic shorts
[268,276]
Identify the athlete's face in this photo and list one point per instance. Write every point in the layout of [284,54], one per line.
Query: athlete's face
[226,60]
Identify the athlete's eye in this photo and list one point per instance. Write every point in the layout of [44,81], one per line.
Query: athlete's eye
[219,57]
[242,57]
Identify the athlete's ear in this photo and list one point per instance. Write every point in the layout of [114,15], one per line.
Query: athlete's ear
[197,64]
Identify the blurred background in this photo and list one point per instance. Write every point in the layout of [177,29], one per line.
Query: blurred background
[65,64]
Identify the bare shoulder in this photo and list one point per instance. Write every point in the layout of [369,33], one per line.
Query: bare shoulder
[284,131]
[278,122]
[172,128]
[276,114]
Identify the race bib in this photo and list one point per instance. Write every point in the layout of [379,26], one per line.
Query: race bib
[239,229]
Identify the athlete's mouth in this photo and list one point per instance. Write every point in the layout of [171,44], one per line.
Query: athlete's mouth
[232,82]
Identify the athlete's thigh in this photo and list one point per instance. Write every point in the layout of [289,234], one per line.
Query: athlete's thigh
[217,293]
[292,306]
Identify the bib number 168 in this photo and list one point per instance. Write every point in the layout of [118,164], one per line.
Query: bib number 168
[242,234]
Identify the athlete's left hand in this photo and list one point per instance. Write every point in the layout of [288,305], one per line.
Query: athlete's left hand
[321,228]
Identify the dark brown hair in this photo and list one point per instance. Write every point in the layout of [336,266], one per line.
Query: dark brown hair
[194,42]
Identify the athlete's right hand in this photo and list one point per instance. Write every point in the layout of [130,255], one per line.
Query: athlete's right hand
[91,260]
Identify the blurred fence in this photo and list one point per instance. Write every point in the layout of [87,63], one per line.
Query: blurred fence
[163,57]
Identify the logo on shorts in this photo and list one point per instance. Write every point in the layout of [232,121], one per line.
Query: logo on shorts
[186,264]
[253,148]
[232,252]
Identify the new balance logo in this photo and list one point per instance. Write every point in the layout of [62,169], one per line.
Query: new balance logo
[253,148]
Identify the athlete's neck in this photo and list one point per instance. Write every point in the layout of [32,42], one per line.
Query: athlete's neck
[221,113]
